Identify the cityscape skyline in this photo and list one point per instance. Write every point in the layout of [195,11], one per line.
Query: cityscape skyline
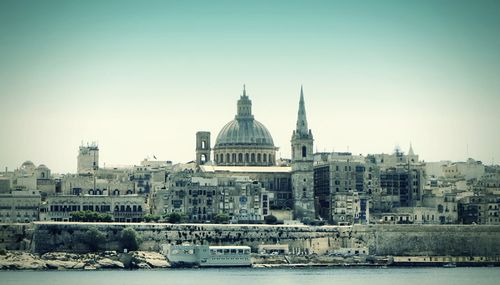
[141,80]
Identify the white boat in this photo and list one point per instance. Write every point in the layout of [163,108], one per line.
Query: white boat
[207,256]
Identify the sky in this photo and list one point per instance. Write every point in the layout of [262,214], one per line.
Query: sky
[142,77]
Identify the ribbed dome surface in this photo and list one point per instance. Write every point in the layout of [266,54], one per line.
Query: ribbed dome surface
[244,132]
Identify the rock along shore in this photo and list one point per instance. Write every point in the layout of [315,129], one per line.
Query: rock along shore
[18,260]
[89,261]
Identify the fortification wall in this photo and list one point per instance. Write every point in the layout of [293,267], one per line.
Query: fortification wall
[66,236]
[16,236]
[410,240]
[454,240]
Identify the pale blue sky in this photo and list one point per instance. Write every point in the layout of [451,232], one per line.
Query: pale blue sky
[141,77]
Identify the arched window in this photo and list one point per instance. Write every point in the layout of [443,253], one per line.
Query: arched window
[233,158]
[203,158]
[246,157]
[221,158]
[91,192]
[228,158]
[258,157]
[253,157]
[265,157]
[240,157]
[304,151]
[116,192]
[203,144]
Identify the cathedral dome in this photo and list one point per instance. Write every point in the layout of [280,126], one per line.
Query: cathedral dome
[244,132]
[244,140]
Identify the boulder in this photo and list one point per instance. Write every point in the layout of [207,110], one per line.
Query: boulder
[143,265]
[152,259]
[109,263]
[21,261]
[60,264]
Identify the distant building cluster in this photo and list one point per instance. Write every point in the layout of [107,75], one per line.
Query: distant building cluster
[240,180]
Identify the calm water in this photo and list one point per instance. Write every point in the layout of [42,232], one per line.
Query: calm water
[261,276]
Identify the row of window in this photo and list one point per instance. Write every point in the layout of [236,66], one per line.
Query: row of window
[240,157]
[97,208]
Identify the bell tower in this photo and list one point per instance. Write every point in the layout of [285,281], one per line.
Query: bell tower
[302,166]
[202,147]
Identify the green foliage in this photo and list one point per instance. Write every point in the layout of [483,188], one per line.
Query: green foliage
[221,219]
[90,216]
[270,220]
[151,218]
[94,239]
[174,218]
[130,239]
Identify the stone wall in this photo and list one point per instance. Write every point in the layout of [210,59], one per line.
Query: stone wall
[454,240]
[65,236]
[411,240]
[16,236]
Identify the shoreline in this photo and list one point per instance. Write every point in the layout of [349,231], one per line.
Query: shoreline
[112,260]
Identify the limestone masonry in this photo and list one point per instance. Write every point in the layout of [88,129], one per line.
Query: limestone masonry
[381,240]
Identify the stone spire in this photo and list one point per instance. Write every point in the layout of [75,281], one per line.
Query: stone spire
[302,128]
[410,152]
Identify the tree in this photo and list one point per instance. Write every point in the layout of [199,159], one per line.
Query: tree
[270,220]
[174,218]
[221,219]
[90,216]
[129,239]
[151,218]
[94,239]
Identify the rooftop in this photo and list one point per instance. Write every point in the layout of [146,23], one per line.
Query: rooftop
[240,169]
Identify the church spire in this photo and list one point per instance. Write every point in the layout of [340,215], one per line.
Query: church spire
[302,128]
[410,152]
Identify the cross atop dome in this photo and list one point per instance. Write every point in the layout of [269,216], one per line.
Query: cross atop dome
[244,91]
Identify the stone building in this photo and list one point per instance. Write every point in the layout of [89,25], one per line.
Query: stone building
[489,183]
[481,210]
[31,177]
[125,208]
[471,169]
[275,179]
[88,159]
[89,185]
[400,187]
[201,197]
[343,185]
[20,206]
[395,159]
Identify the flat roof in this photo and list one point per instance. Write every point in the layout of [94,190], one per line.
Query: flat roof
[229,247]
[246,169]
